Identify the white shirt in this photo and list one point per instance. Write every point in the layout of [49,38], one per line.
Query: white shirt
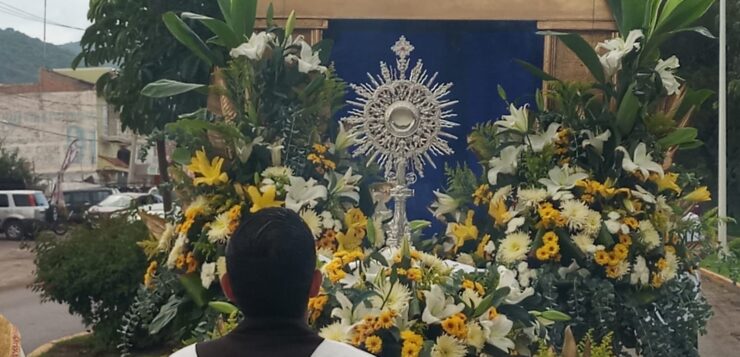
[326,349]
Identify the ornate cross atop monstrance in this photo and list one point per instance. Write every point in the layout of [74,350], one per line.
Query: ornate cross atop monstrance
[399,122]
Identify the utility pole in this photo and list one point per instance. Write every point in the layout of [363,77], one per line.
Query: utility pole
[722,174]
[44,34]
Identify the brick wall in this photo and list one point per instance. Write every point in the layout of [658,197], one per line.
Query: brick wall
[49,81]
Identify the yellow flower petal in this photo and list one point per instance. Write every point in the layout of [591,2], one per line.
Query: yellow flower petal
[261,201]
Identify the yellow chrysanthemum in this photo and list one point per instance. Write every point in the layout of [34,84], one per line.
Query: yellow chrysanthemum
[261,201]
[601,257]
[210,171]
[373,344]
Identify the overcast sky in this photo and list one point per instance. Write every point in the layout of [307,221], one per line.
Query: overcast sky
[66,12]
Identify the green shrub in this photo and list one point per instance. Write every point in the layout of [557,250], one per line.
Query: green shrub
[96,272]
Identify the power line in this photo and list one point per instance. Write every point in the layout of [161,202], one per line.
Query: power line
[46,131]
[20,13]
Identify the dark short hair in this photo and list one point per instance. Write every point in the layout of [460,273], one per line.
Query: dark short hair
[271,258]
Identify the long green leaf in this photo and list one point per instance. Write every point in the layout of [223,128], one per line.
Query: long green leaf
[683,14]
[243,16]
[627,112]
[225,6]
[616,7]
[694,99]
[633,12]
[680,136]
[218,27]
[167,88]
[698,29]
[166,314]
[189,38]
[223,307]
[290,24]
[584,51]
[536,71]
[194,288]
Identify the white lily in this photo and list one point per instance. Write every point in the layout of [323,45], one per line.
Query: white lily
[345,185]
[643,194]
[597,141]
[276,152]
[344,140]
[302,192]
[641,161]
[444,204]
[561,178]
[308,60]
[254,48]
[507,278]
[207,274]
[496,330]
[439,306]
[539,141]
[506,164]
[616,50]
[517,120]
[666,69]
[614,225]
[347,312]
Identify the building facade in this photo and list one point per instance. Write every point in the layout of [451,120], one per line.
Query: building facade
[42,119]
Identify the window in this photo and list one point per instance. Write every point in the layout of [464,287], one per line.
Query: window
[4,200]
[24,200]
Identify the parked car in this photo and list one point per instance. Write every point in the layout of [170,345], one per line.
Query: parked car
[120,203]
[78,201]
[20,210]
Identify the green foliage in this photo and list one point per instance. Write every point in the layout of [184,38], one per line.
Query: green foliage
[637,321]
[461,183]
[144,51]
[483,140]
[15,171]
[95,272]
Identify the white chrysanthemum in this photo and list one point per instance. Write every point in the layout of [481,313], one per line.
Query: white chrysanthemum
[434,263]
[177,250]
[448,346]
[585,243]
[336,332]
[476,337]
[514,247]
[640,273]
[576,212]
[592,225]
[220,228]
[530,197]
[671,267]
[207,274]
[398,296]
[313,221]
[277,172]
[649,235]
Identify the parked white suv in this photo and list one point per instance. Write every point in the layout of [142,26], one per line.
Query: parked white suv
[19,210]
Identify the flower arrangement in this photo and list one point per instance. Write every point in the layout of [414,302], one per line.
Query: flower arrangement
[405,302]
[582,190]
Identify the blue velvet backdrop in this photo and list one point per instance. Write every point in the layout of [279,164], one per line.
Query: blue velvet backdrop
[475,55]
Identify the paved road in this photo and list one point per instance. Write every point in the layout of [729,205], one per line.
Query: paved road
[37,322]
[723,337]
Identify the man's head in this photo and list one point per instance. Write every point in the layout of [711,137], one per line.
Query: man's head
[271,264]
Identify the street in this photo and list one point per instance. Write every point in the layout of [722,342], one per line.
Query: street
[38,323]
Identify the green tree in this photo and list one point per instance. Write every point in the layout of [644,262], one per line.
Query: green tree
[15,171]
[700,70]
[131,35]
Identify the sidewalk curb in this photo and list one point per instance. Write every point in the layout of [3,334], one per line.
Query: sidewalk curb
[48,346]
[718,278]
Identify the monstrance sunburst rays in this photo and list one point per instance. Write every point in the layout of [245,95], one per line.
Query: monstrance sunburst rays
[399,120]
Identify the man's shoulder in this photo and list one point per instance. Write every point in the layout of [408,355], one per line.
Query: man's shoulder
[188,351]
[330,348]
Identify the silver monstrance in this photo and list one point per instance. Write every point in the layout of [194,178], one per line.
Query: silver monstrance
[398,122]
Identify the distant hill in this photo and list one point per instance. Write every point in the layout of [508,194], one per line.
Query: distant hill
[21,56]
